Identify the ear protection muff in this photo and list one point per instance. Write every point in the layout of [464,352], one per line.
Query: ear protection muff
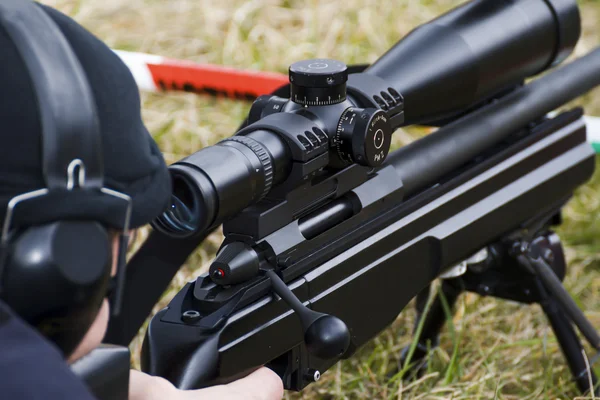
[56,274]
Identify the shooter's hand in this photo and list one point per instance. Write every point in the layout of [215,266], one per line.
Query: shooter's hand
[262,384]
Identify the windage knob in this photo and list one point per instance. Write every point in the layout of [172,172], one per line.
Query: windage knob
[363,136]
[318,82]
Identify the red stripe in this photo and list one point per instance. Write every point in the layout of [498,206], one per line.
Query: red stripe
[183,75]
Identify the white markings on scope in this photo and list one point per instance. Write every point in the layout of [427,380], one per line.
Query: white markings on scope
[378,138]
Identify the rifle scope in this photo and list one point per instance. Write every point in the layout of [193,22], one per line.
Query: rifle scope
[474,53]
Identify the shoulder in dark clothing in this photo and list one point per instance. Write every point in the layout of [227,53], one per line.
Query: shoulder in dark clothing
[32,368]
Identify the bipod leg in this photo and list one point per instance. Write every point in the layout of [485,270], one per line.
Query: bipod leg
[570,344]
[538,257]
[553,285]
[432,324]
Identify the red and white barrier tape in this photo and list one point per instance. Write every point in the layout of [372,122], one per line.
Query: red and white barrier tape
[155,73]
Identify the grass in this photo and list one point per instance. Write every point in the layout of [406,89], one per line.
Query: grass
[495,349]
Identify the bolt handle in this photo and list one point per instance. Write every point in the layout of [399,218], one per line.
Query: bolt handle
[325,336]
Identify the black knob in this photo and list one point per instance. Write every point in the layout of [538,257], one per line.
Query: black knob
[318,82]
[235,263]
[363,136]
[327,337]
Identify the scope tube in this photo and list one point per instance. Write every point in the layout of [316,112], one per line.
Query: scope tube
[423,162]
[442,67]
[476,50]
[218,181]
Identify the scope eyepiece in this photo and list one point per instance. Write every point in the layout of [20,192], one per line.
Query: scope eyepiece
[216,182]
[187,212]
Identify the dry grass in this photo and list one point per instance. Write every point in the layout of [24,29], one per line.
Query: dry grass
[498,349]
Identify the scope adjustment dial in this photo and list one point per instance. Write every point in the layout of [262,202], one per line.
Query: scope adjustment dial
[318,82]
[363,136]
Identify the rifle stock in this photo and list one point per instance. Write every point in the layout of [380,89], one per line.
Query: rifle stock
[355,240]
[397,255]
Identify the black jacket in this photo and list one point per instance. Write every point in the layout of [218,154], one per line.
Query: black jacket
[31,367]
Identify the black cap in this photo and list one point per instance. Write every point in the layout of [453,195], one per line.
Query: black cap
[132,161]
[319,72]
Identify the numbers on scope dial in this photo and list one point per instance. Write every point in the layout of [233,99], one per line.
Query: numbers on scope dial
[363,136]
[318,82]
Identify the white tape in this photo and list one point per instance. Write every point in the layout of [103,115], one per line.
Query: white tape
[138,65]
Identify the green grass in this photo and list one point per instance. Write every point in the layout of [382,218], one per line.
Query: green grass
[495,349]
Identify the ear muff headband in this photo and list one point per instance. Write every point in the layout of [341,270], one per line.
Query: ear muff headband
[70,129]
[72,161]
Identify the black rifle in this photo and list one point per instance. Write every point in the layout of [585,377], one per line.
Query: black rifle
[315,211]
